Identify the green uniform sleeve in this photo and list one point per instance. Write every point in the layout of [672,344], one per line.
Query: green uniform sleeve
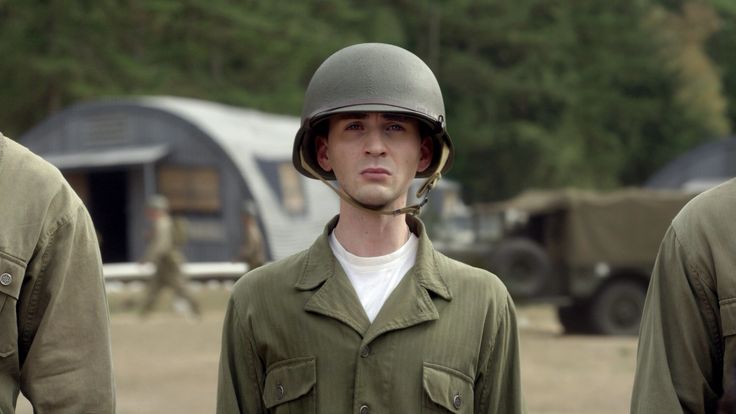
[499,386]
[239,387]
[66,364]
[677,359]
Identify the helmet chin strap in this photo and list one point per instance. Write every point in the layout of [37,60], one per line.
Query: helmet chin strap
[413,209]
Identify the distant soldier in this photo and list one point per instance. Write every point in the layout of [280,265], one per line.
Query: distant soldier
[164,252]
[252,250]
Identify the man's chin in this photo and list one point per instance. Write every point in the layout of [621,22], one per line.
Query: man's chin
[376,202]
[376,207]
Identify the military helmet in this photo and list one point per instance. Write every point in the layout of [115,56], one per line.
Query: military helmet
[372,77]
[158,202]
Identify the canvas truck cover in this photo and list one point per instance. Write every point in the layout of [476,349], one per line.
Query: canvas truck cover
[621,228]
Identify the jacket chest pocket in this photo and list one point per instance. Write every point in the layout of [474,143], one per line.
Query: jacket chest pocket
[290,387]
[446,390]
[11,278]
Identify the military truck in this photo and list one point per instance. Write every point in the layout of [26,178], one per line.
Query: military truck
[590,253]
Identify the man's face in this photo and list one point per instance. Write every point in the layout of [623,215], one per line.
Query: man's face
[152,213]
[374,155]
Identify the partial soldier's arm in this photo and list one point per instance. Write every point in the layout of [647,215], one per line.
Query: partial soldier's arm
[239,387]
[498,390]
[678,365]
[64,337]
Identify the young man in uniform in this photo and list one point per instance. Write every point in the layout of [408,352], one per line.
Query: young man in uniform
[54,326]
[371,319]
[687,341]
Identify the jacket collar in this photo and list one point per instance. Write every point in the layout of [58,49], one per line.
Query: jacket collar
[321,263]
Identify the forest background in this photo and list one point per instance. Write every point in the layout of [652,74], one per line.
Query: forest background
[539,93]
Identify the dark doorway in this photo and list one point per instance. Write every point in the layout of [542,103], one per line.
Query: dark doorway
[108,202]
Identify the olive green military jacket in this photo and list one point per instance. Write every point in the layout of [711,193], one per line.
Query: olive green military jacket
[296,340]
[54,330]
[687,345]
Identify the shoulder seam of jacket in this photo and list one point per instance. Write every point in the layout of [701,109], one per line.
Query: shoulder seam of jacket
[699,285]
[45,242]
[486,390]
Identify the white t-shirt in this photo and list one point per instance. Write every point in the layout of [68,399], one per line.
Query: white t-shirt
[374,278]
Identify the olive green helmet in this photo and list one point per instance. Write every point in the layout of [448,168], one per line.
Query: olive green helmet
[158,202]
[372,77]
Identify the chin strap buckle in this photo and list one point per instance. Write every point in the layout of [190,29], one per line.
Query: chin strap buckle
[428,185]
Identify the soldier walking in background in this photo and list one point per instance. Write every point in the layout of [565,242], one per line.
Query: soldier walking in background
[164,253]
[252,250]
[54,324]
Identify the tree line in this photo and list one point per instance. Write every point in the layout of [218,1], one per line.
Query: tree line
[539,93]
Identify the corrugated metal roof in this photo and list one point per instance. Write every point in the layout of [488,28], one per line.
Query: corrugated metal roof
[248,136]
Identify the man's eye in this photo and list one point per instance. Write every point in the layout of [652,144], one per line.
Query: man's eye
[396,127]
[353,126]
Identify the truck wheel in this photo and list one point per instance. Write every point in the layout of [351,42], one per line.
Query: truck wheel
[522,265]
[574,318]
[617,309]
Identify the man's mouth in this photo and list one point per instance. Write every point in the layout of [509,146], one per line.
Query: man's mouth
[375,171]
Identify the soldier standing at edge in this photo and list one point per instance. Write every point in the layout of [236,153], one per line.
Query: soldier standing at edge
[54,323]
[687,343]
[371,319]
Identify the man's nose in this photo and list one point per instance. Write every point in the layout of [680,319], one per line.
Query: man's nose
[374,141]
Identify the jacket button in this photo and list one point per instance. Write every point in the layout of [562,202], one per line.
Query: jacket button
[6,279]
[457,401]
[280,391]
[365,352]
[364,409]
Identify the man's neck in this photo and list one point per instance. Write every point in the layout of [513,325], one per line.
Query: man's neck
[368,234]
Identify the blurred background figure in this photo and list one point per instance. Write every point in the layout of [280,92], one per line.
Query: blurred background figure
[164,252]
[252,250]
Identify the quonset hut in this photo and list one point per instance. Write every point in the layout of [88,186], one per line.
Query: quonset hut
[207,158]
[701,168]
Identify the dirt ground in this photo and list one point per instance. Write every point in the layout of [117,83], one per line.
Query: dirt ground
[566,374]
[167,363]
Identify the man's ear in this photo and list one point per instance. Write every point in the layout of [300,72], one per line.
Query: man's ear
[426,151]
[320,144]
